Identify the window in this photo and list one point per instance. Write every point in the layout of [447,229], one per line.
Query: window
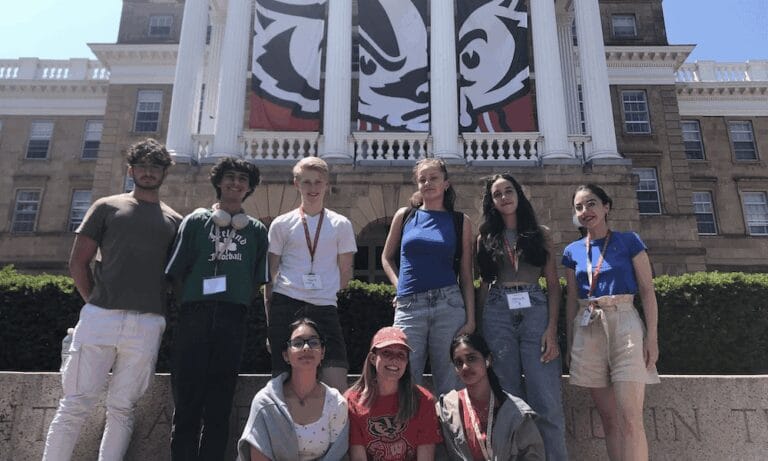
[160,26]
[624,26]
[636,120]
[705,213]
[582,116]
[92,139]
[756,212]
[648,191]
[81,200]
[25,210]
[743,140]
[39,140]
[148,111]
[694,149]
[128,184]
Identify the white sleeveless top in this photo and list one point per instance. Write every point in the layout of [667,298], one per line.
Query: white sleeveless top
[315,438]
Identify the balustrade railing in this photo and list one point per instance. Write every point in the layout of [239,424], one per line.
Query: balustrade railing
[289,146]
[487,147]
[383,147]
[711,71]
[52,69]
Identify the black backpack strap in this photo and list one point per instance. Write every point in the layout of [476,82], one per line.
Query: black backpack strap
[458,228]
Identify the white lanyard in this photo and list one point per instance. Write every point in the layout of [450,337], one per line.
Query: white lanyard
[485,446]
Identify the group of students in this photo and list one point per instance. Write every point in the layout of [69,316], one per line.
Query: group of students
[219,257]
[485,382]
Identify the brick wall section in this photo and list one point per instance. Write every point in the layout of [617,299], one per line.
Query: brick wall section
[649,21]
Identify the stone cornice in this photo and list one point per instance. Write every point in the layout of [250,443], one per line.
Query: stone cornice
[111,54]
[53,88]
[721,99]
[671,56]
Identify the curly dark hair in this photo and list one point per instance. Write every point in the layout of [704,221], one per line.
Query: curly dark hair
[149,150]
[530,240]
[235,164]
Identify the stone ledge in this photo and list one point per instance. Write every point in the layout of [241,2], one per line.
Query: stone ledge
[686,417]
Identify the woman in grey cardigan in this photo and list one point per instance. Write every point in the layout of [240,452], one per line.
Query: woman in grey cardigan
[482,422]
[295,416]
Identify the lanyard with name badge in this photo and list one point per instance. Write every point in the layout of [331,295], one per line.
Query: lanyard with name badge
[311,280]
[587,316]
[485,445]
[520,299]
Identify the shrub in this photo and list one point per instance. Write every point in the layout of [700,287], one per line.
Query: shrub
[708,323]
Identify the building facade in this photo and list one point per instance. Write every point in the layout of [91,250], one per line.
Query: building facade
[601,97]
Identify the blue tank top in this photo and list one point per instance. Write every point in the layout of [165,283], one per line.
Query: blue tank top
[426,253]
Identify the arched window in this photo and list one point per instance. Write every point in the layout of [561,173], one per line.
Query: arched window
[370,244]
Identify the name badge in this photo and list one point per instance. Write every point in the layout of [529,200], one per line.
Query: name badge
[586,317]
[519,300]
[213,285]
[312,282]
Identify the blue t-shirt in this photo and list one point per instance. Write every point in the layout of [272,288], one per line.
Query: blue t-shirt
[617,274]
[426,252]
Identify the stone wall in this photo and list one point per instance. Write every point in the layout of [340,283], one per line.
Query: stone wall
[686,417]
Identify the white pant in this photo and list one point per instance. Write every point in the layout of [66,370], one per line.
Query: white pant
[124,341]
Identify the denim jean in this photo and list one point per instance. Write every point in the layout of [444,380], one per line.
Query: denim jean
[431,319]
[121,340]
[207,348]
[514,337]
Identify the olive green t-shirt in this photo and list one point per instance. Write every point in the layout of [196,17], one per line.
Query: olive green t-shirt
[134,239]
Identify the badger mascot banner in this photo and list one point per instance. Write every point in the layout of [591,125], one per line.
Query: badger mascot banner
[394,65]
[287,52]
[492,46]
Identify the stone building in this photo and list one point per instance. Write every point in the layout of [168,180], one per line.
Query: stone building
[678,145]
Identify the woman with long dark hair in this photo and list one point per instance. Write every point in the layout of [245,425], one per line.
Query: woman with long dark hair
[295,416]
[429,247]
[519,320]
[611,351]
[482,422]
[390,417]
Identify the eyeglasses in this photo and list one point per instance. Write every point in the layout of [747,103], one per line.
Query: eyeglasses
[389,354]
[299,343]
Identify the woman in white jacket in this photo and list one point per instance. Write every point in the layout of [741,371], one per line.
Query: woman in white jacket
[295,416]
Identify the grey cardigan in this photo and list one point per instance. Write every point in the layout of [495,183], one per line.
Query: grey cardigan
[515,435]
[270,427]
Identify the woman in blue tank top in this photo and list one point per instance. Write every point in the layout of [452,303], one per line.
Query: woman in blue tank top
[430,306]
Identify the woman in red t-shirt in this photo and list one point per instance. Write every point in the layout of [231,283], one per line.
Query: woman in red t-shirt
[390,418]
[482,422]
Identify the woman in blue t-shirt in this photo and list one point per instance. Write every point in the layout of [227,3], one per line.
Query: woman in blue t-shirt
[431,307]
[610,351]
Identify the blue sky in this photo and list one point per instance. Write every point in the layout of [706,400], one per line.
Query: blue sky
[733,30]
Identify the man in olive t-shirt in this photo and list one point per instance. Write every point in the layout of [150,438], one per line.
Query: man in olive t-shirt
[122,322]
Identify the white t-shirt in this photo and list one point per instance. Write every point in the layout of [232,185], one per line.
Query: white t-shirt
[287,239]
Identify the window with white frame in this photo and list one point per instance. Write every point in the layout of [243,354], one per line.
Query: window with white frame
[25,210]
[92,138]
[704,212]
[636,118]
[148,107]
[81,200]
[742,140]
[160,26]
[624,26]
[40,134]
[582,115]
[648,198]
[694,148]
[755,212]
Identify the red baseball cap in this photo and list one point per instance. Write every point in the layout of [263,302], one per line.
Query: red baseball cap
[389,336]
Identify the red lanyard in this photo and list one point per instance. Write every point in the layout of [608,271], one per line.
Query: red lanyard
[510,253]
[593,276]
[312,246]
[485,445]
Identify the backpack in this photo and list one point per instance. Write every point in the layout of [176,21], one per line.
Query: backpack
[458,228]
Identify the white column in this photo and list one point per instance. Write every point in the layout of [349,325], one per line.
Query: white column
[594,80]
[550,101]
[189,63]
[232,77]
[211,73]
[570,85]
[444,113]
[338,81]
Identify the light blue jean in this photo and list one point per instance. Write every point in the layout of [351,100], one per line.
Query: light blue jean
[431,319]
[514,337]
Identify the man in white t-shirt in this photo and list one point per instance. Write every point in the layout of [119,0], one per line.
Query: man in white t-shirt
[311,252]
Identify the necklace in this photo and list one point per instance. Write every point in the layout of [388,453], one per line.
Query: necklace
[303,400]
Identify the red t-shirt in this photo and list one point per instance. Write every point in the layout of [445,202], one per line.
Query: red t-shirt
[385,439]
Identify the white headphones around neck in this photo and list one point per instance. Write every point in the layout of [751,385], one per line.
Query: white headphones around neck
[223,219]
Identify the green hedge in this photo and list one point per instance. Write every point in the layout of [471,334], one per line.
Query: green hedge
[709,323]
